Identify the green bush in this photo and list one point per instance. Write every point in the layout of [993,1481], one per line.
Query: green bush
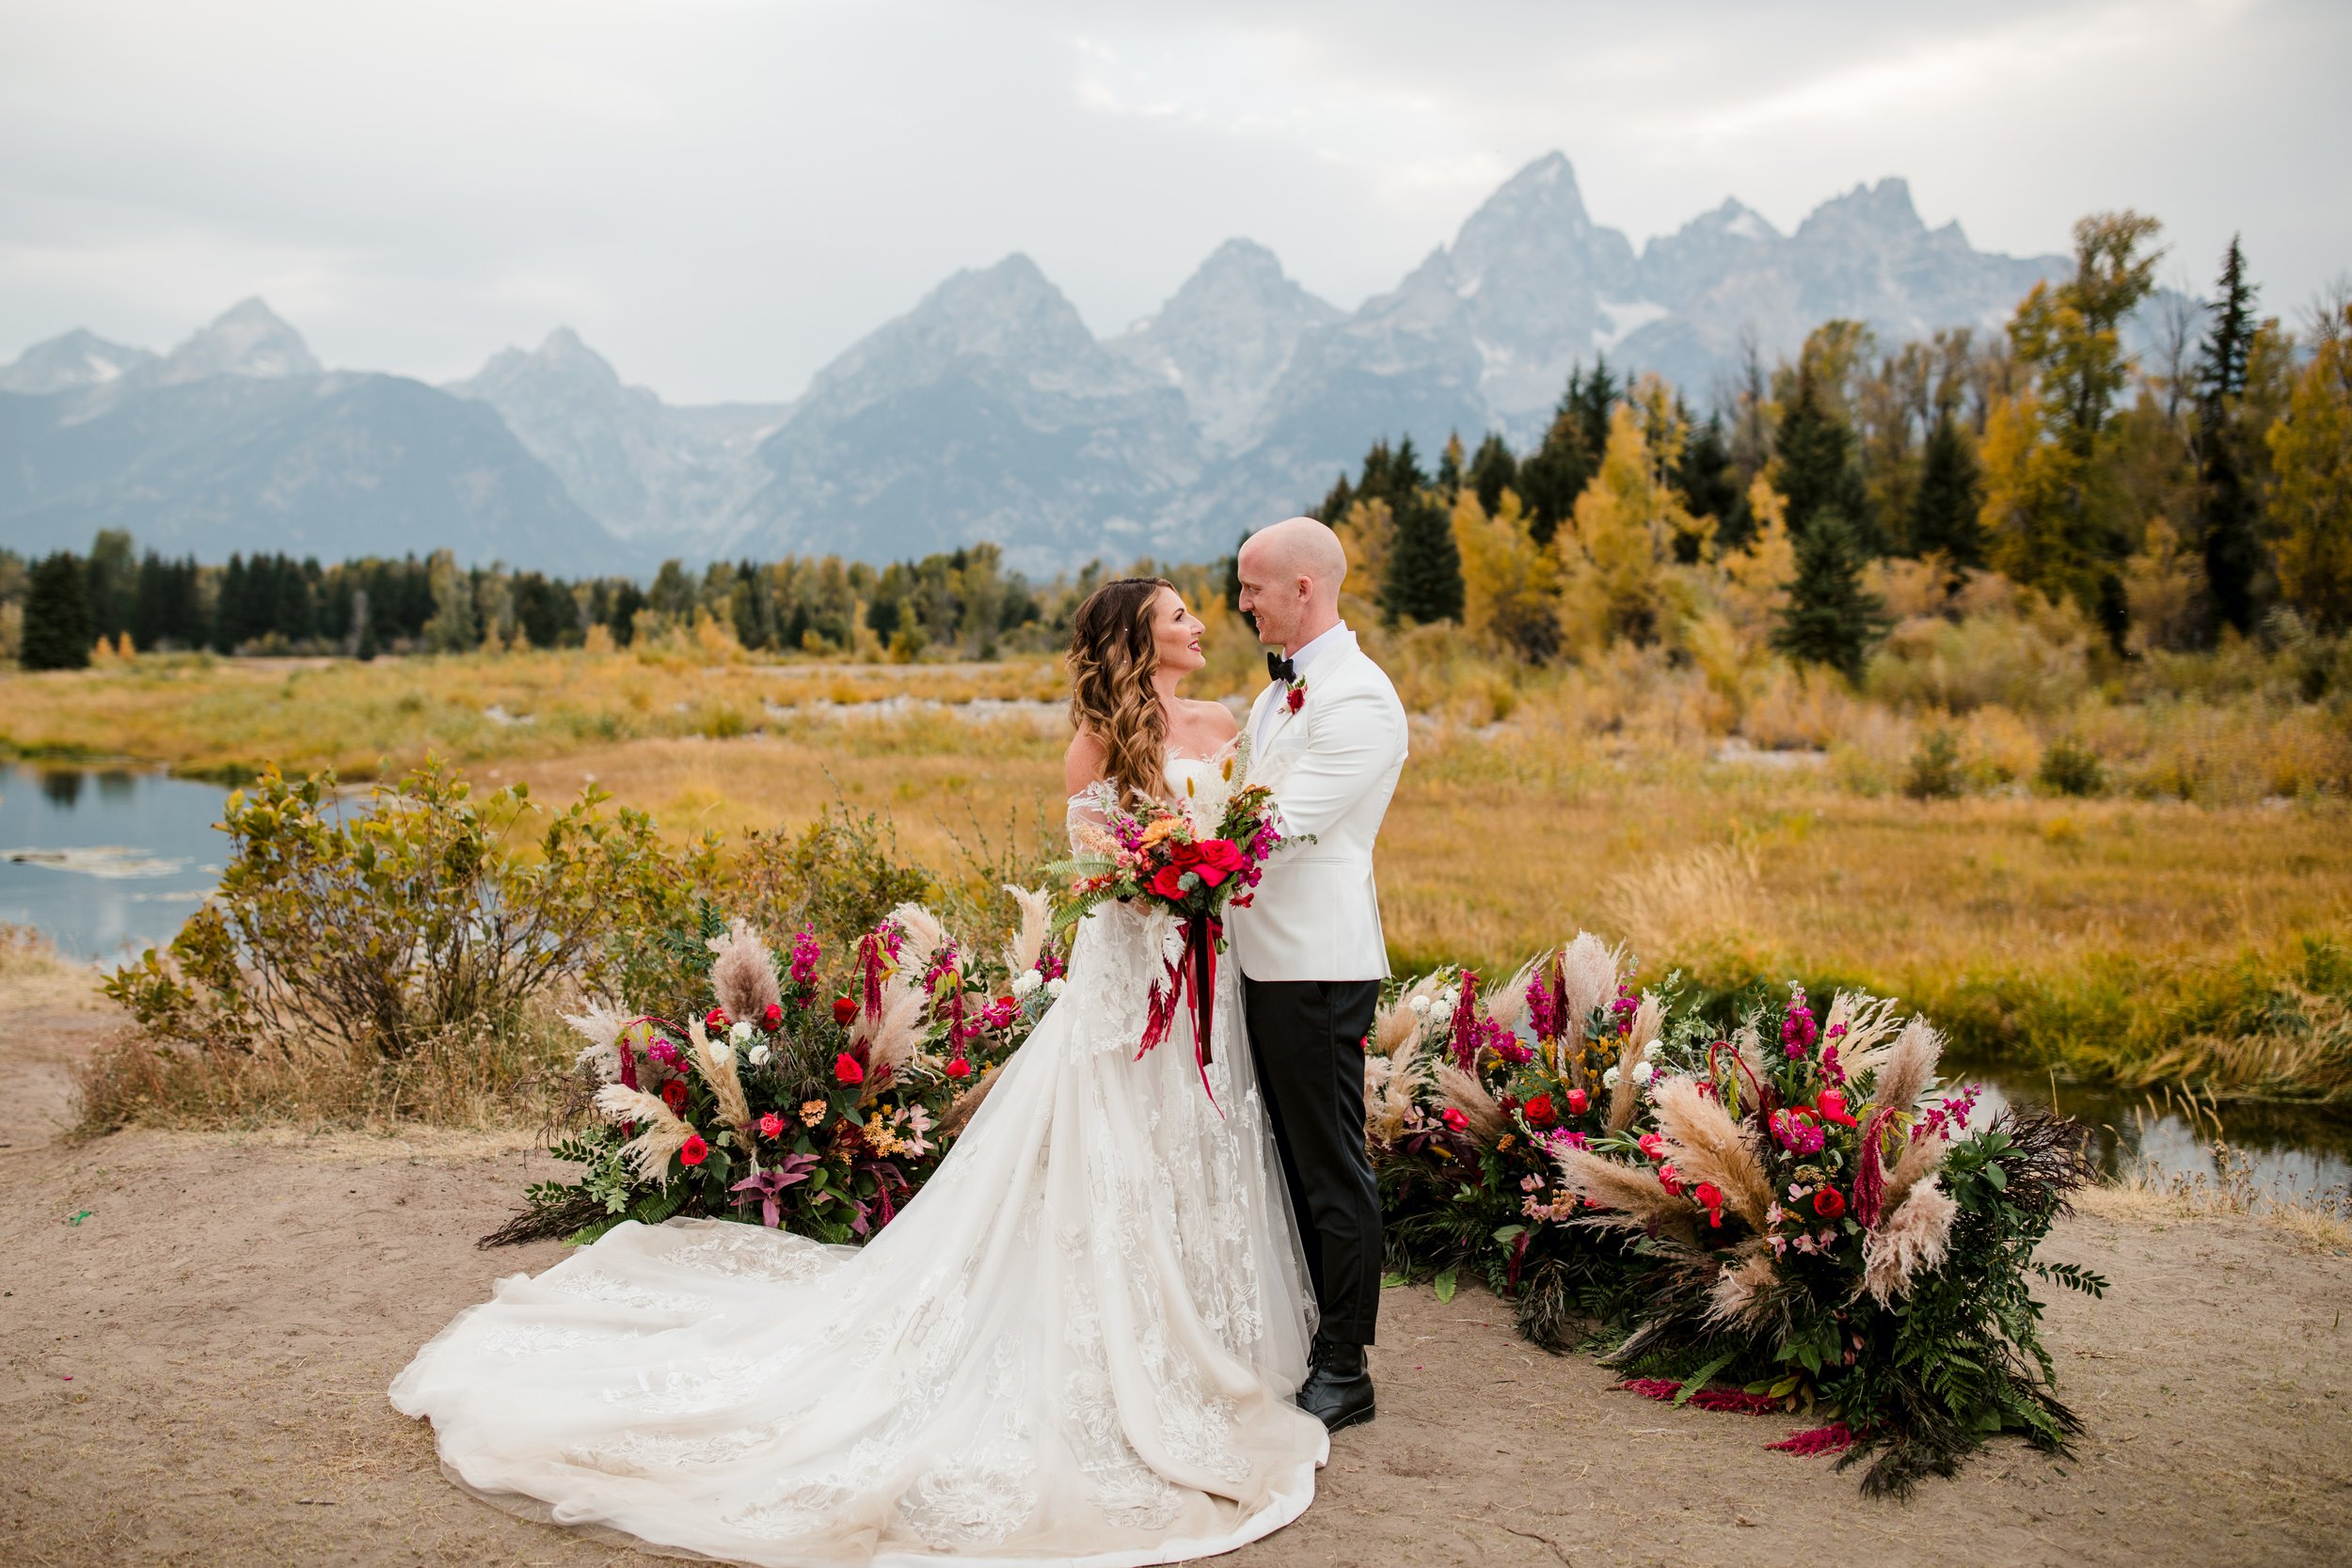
[385,927]
[1936,772]
[2068,768]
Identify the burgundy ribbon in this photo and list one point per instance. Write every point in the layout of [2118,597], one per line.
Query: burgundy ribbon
[1194,969]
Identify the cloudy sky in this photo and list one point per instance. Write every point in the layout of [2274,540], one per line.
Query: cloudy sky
[720,195]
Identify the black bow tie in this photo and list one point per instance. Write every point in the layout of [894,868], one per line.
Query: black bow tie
[1278,669]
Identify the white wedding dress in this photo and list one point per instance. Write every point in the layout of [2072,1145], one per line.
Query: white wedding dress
[1076,1344]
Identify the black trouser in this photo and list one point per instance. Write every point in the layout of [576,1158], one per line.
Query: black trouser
[1309,1038]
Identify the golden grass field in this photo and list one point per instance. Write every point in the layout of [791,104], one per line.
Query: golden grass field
[2139,940]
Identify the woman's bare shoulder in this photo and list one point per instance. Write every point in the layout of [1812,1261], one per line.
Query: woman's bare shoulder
[1212,717]
[1082,763]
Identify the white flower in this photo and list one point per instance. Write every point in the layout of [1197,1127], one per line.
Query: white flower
[1646,1073]
[741,1032]
[1650,1052]
[1420,1004]
[1052,988]
[1449,996]
[758,1055]
[1443,1014]
[1026,983]
[1609,1078]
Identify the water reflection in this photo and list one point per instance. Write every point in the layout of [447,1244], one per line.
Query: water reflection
[108,869]
[2285,1151]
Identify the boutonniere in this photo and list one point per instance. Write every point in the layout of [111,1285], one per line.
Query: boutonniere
[1296,696]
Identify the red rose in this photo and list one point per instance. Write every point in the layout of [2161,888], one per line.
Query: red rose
[1711,1197]
[1834,1108]
[1652,1144]
[846,1070]
[1670,1178]
[1168,882]
[773,1020]
[1829,1203]
[959,1068]
[771,1124]
[716,1020]
[844,1010]
[1578,1100]
[1297,699]
[674,1096]
[1217,859]
[1183,854]
[1539,1113]
[1453,1119]
[693,1151]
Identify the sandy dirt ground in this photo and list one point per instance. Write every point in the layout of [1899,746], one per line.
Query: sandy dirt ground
[192,1373]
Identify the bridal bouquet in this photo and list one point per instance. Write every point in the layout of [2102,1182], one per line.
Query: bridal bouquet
[1195,859]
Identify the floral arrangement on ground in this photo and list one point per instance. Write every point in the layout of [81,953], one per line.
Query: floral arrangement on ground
[783,1105]
[1790,1216]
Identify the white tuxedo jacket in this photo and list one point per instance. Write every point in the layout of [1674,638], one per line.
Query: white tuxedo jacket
[1333,767]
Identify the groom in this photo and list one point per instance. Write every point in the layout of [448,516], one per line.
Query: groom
[1328,735]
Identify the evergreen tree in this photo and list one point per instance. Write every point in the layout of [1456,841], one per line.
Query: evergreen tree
[1570,454]
[1493,470]
[364,623]
[113,583]
[1336,501]
[627,602]
[1815,451]
[1944,512]
[1710,484]
[1450,469]
[1423,580]
[2231,509]
[57,626]
[230,620]
[1830,619]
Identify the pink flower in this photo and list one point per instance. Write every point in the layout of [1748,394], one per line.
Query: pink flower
[958,1069]
[771,1124]
[1455,1119]
[1578,1101]
[1652,1144]
[1670,1178]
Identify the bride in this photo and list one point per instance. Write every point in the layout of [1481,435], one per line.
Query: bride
[1077,1344]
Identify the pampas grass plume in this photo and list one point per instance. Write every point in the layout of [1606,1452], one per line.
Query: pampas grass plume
[1588,972]
[659,1133]
[924,936]
[1467,1095]
[1909,1067]
[1911,1242]
[1627,1197]
[1708,1145]
[599,1022]
[717,1060]
[744,973]
[1028,939]
[1921,1158]
[1742,1294]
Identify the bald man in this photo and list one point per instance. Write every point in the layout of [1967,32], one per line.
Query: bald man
[1327,735]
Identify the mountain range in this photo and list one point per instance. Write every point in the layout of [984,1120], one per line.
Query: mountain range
[987,411]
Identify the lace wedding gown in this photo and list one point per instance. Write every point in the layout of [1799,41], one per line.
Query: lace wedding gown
[1077,1344]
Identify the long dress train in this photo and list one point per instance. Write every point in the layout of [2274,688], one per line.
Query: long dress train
[1076,1344]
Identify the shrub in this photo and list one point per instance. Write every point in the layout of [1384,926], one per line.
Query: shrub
[381,929]
[2068,769]
[1935,770]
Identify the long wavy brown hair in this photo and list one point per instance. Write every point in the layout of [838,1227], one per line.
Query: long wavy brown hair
[1113,657]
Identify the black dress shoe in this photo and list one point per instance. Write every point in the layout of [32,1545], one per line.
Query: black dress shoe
[1338,1391]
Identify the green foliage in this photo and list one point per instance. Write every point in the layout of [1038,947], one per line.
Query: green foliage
[1831,618]
[837,877]
[1424,577]
[2228,452]
[382,929]
[57,630]
[1944,514]
[1936,772]
[1557,471]
[2069,768]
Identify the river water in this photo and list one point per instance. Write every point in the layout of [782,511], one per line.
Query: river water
[107,862]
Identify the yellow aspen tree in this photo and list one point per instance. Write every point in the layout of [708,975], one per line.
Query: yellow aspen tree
[1510,583]
[2310,502]
[1614,553]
